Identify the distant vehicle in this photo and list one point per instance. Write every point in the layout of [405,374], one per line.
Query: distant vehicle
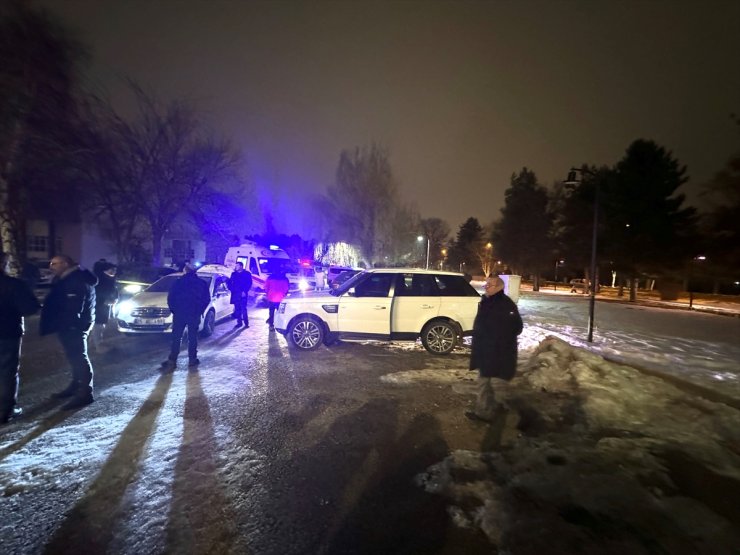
[133,279]
[262,261]
[579,286]
[397,303]
[342,277]
[333,271]
[147,311]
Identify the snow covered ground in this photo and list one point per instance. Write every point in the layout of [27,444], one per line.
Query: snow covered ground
[586,455]
[589,456]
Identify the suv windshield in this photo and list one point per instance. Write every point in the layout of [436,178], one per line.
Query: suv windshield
[347,285]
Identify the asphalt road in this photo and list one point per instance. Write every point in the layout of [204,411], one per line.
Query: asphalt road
[263,450]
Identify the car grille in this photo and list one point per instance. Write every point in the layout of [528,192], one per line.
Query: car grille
[150,312]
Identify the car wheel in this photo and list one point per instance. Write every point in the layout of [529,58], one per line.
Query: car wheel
[306,333]
[439,337]
[209,325]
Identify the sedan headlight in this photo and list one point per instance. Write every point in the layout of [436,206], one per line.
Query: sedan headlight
[303,285]
[125,308]
[133,288]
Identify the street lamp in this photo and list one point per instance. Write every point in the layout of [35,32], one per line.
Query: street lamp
[572,180]
[421,238]
[557,264]
[489,251]
[698,258]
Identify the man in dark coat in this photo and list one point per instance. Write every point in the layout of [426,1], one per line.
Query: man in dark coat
[188,299]
[106,295]
[16,301]
[240,283]
[494,350]
[68,312]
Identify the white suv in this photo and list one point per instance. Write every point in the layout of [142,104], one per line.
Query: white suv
[396,303]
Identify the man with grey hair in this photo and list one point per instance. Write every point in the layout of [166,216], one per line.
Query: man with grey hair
[16,301]
[68,312]
[494,349]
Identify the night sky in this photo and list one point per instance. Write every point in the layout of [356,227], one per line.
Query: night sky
[462,93]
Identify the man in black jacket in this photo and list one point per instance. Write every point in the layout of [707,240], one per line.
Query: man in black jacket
[240,283]
[188,299]
[494,349]
[16,301]
[68,312]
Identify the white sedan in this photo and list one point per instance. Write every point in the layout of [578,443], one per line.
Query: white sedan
[147,311]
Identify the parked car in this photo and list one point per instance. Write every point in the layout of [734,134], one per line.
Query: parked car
[147,311]
[342,277]
[579,286]
[134,279]
[398,304]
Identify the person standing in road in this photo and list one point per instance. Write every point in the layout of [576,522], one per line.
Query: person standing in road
[494,350]
[240,283]
[68,312]
[106,295]
[276,287]
[188,299]
[16,301]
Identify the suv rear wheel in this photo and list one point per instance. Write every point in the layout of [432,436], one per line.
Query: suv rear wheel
[306,333]
[439,337]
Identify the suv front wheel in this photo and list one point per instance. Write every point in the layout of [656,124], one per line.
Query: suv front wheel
[439,337]
[306,333]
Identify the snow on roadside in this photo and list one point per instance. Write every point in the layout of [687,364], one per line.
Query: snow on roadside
[590,456]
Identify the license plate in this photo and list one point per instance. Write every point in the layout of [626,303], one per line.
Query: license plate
[149,321]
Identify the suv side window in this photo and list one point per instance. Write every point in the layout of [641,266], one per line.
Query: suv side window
[416,285]
[454,286]
[376,285]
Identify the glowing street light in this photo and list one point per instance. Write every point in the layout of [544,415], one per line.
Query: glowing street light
[421,238]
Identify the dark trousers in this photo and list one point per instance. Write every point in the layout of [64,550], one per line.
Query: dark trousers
[178,327]
[271,317]
[10,359]
[74,343]
[240,310]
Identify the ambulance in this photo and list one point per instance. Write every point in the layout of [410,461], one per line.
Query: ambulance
[261,261]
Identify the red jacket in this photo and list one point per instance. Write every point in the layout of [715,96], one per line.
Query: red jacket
[276,287]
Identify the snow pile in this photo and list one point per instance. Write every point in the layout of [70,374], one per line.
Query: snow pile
[593,457]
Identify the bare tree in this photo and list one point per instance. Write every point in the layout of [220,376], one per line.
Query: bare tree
[38,65]
[365,201]
[436,231]
[155,168]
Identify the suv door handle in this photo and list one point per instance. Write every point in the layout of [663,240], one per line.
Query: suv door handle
[379,307]
[427,306]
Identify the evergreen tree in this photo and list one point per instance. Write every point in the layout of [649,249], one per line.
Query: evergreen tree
[722,221]
[521,237]
[572,209]
[646,228]
[463,253]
